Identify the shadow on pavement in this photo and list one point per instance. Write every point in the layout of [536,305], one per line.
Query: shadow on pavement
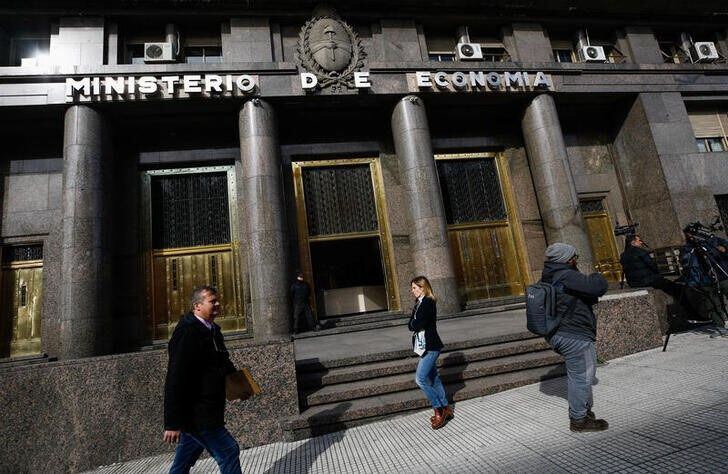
[321,439]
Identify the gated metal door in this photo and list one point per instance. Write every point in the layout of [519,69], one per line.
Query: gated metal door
[485,240]
[190,245]
[22,296]
[601,239]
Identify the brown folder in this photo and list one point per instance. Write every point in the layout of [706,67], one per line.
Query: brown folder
[241,385]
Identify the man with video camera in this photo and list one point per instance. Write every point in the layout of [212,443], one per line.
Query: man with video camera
[704,259]
[640,271]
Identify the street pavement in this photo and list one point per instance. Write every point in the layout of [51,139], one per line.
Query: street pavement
[668,412]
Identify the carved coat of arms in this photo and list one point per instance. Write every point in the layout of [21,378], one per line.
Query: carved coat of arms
[329,48]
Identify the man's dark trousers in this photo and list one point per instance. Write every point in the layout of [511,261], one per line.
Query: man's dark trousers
[301,310]
[218,442]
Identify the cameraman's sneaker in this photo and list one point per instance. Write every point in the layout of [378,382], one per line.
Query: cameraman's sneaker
[588,424]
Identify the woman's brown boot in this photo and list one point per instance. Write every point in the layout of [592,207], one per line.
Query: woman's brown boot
[438,412]
[448,413]
[438,421]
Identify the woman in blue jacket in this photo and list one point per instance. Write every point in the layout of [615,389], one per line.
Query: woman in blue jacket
[424,318]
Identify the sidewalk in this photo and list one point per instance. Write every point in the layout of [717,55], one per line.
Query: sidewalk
[668,412]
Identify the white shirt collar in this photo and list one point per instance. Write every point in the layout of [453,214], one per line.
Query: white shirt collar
[207,324]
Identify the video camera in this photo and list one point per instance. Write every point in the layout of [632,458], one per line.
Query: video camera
[628,229]
[702,233]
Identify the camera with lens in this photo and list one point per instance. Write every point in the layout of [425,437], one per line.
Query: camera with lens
[628,229]
[701,233]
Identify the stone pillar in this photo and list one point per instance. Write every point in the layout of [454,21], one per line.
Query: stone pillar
[552,179]
[643,46]
[529,43]
[265,228]
[665,183]
[85,328]
[428,230]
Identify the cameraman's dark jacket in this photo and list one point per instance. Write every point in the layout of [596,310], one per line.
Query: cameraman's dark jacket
[639,268]
[586,289]
[194,392]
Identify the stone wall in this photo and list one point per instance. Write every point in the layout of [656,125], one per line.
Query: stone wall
[78,414]
[628,322]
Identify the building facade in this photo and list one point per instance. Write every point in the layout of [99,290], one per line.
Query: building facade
[153,147]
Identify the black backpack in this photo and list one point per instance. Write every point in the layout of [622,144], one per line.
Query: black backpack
[542,318]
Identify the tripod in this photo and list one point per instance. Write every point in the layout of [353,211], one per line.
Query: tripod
[711,268]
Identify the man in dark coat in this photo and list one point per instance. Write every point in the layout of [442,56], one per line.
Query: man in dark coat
[300,295]
[640,269]
[194,392]
[577,333]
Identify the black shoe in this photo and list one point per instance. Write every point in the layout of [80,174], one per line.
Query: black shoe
[588,424]
[590,414]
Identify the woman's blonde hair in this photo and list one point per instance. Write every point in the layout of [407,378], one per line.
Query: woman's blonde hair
[424,283]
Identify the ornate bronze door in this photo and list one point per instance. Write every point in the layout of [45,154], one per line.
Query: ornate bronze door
[601,238]
[485,243]
[344,242]
[22,296]
[190,244]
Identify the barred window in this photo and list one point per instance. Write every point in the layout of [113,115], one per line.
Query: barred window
[22,253]
[339,199]
[190,210]
[471,190]
[592,206]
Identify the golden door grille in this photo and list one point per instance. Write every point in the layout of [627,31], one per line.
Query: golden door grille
[22,253]
[190,210]
[22,296]
[339,200]
[471,191]
[592,205]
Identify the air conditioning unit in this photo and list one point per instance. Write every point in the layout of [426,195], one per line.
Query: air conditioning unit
[469,51]
[592,54]
[703,51]
[158,52]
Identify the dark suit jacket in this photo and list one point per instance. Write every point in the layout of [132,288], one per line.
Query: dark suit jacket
[425,317]
[194,392]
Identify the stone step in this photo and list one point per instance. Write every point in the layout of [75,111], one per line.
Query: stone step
[350,320]
[496,302]
[326,418]
[405,381]
[392,319]
[309,380]
[316,365]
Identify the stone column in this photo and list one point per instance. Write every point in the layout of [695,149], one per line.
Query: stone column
[552,179]
[265,227]
[665,181]
[428,231]
[85,328]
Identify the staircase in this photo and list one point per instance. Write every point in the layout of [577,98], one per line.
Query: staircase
[341,393]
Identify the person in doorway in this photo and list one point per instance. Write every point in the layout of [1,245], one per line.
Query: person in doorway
[423,322]
[577,333]
[194,391]
[300,297]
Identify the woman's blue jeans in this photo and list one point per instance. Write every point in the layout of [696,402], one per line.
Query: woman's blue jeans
[429,381]
[581,369]
[218,442]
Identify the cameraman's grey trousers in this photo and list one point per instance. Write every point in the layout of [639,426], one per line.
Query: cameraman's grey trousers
[581,370]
